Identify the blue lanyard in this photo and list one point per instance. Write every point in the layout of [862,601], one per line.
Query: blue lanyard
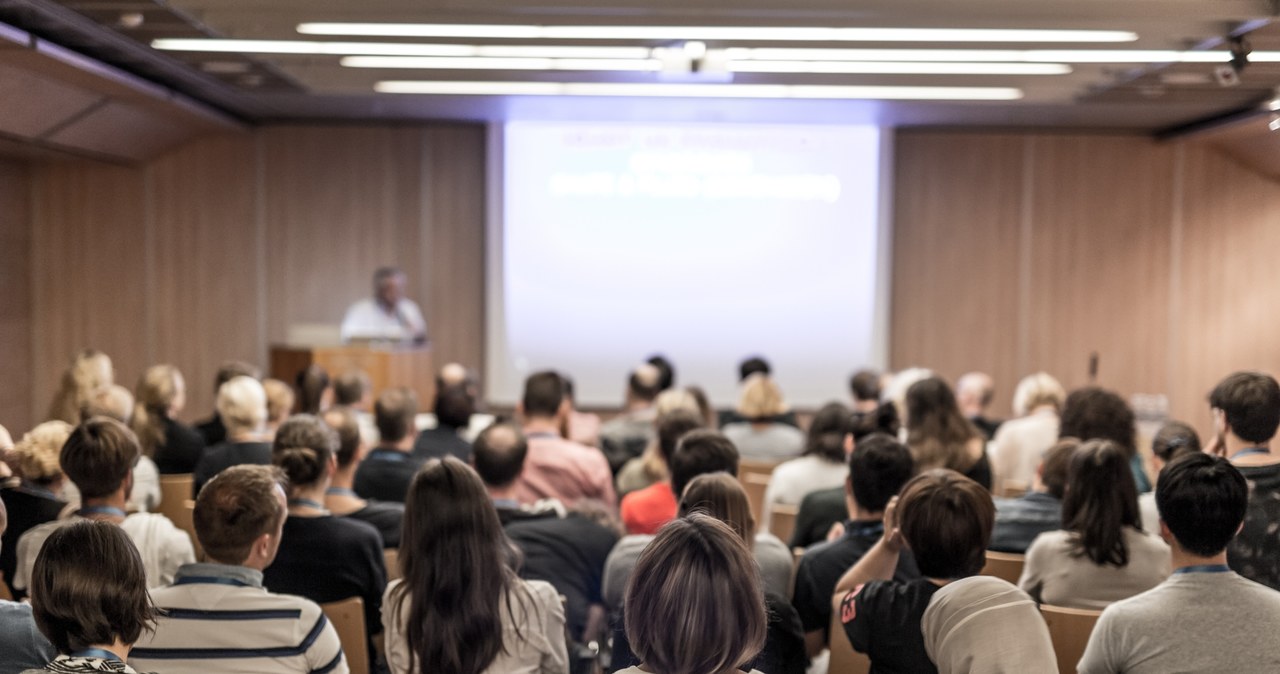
[388,455]
[306,502]
[101,510]
[1204,568]
[864,529]
[341,491]
[214,580]
[100,653]
[1250,451]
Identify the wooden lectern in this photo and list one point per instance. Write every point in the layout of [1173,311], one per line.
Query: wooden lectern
[387,366]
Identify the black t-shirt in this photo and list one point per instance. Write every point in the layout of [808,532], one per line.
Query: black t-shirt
[1255,552]
[823,565]
[216,459]
[882,619]
[567,552]
[28,507]
[212,430]
[385,475]
[387,518]
[980,472]
[818,511]
[437,443]
[181,449]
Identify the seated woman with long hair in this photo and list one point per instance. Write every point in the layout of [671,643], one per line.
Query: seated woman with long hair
[460,607]
[940,437]
[1101,555]
[822,466]
[160,397]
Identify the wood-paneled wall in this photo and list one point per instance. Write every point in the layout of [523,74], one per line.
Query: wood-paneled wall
[15,297]
[1014,254]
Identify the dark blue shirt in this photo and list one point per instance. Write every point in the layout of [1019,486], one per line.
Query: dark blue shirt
[1020,520]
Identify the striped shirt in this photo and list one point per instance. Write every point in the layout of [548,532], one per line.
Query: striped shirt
[219,618]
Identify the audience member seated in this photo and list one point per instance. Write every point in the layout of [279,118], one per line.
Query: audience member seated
[1101,555]
[985,624]
[1021,442]
[322,557]
[625,436]
[1174,439]
[98,458]
[242,409]
[864,385]
[453,408]
[894,387]
[212,430]
[697,571]
[940,437]
[822,510]
[974,393]
[748,367]
[822,466]
[1020,520]
[456,375]
[1204,617]
[353,390]
[386,472]
[161,396]
[1246,412]
[116,402]
[644,511]
[878,467]
[1093,413]
[945,520]
[566,549]
[650,467]
[340,498]
[89,371]
[280,402]
[759,435]
[460,607]
[239,517]
[555,467]
[704,405]
[89,598]
[315,394]
[32,497]
[22,645]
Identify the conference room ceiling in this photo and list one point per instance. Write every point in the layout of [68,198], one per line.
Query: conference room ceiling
[1144,94]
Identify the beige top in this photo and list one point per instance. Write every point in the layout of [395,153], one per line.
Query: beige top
[1019,445]
[1054,576]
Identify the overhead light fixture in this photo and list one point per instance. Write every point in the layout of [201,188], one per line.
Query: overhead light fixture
[989,55]
[325,48]
[488,63]
[662,90]
[745,33]
[894,68]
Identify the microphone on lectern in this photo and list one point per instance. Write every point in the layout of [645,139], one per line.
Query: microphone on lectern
[1093,367]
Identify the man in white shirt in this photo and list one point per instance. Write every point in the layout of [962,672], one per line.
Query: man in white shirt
[386,315]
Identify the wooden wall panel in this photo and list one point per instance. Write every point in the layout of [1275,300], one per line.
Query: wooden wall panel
[1099,261]
[957,235]
[206,285]
[15,300]
[89,270]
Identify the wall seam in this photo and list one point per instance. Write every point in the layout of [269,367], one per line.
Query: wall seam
[1026,230]
[260,237]
[1176,225]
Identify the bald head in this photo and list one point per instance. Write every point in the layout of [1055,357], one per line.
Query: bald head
[974,392]
[645,383]
[453,374]
[498,454]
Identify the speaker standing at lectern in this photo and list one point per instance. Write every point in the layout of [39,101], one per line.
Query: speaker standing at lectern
[388,315]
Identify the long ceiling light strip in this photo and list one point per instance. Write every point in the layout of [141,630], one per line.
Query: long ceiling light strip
[699,90]
[325,48]
[747,33]
[483,63]
[655,65]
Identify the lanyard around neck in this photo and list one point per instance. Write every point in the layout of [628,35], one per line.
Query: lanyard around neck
[1250,451]
[101,510]
[99,653]
[1204,568]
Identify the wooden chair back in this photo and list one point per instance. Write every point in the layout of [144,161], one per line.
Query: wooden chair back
[347,617]
[174,490]
[1011,488]
[756,466]
[844,660]
[392,558]
[1004,565]
[754,484]
[1069,629]
[184,518]
[782,521]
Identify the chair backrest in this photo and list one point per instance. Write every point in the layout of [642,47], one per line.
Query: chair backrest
[1004,565]
[1069,629]
[844,660]
[754,484]
[174,489]
[1011,488]
[183,517]
[782,520]
[756,466]
[392,558]
[347,617]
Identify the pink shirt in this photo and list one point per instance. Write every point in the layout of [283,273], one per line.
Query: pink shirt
[564,470]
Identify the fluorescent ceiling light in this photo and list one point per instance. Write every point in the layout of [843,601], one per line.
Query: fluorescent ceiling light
[698,90]
[322,48]
[761,33]
[485,63]
[990,55]
[892,68]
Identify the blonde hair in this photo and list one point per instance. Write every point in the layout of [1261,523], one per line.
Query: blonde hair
[1036,390]
[89,370]
[280,399]
[670,400]
[157,390]
[37,453]
[761,398]
[113,401]
[242,405]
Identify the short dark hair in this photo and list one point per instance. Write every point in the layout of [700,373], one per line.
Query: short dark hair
[235,368]
[236,507]
[674,425]
[865,385]
[825,437]
[1251,403]
[89,587]
[302,447]
[349,387]
[1093,413]
[946,519]
[1055,465]
[666,371]
[1202,499]
[394,413]
[99,456]
[454,406]
[498,454]
[311,383]
[878,467]
[543,393]
[753,365]
[884,419]
[699,452]
[346,424]
[1173,440]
